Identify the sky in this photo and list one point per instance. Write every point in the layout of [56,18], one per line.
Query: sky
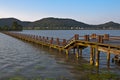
[87,11]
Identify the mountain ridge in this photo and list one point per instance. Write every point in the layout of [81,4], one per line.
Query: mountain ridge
[58,23]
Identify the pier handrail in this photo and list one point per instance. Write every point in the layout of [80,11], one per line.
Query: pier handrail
[96,43]
[71,39]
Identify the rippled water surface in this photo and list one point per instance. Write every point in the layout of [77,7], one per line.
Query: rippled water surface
[32,61]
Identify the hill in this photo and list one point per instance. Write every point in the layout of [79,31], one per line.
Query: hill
[9,22]
[109,25]
[57,23]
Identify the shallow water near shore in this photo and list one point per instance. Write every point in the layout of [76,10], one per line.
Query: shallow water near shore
[20,60]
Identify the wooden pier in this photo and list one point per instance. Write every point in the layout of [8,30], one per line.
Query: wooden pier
[96,43]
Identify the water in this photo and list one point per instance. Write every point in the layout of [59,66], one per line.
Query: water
[70,33]
[20,58]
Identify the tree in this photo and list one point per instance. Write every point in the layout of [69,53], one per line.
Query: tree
[16,27]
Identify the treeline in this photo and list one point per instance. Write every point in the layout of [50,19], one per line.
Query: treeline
[69,24]
[56,24]
[11,24]
[15,27]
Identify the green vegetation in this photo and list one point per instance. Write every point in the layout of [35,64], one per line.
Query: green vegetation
[23,78]
[15,27]
[93,73]
[103,76]
[17,78]
[56,24]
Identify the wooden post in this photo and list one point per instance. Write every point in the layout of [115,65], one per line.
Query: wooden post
[91,55]
[34,36]
[93,36]
[74,50]
[86,37]
[108,56]
[43,39]
[40,38]
[106,36]
[47,39]
[94,54]
[58,42]
[64,42]
[37,37]
[108,59]
[97,57]
[76,36]
[77,52]
[67,52]
[80,51]
[51,41]
[100,38]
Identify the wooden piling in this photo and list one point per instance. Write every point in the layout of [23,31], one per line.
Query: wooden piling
[97,57]
[106,36]
[93,36]
[86,37]
[57,41]
[80,51]
[108,56]
[91,55]
[100,38]
[64,42]
[51,41]
[77,52]
[74,50]
[76,36]
[67,52]
[43,39]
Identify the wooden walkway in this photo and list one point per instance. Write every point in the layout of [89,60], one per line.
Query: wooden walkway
[96,43]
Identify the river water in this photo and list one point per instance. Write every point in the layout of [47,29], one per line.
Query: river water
[34,62]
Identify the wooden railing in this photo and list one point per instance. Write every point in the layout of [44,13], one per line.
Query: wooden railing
[96,43]
[63,42]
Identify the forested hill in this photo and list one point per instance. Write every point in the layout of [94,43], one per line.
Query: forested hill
[109,25]
[9,21]
[57,23]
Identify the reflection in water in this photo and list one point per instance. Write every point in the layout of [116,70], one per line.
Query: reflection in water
[19,58]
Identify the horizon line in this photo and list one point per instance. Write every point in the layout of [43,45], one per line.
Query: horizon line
[57,18]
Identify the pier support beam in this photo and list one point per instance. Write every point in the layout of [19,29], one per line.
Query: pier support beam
[80,51]
[60,50]
[97,57]
[76,36]
[92,55]
[106,37]
[86,37]
[100,39]
[64,42]
[108,57]
[74,51]
[67,52]
[77,52]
